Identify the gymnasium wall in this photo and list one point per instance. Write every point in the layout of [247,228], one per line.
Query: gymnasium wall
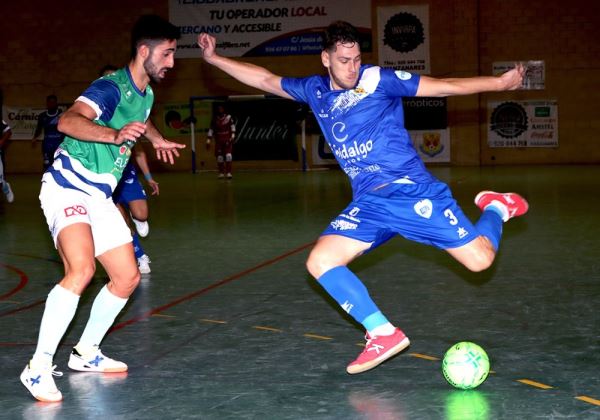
[59,47]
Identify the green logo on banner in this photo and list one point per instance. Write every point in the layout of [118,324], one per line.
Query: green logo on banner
[542,111]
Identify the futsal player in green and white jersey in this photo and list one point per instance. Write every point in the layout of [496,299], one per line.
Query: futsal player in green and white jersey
[76,195]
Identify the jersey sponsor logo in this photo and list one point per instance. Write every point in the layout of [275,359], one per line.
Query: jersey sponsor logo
[355,152]
[337,130]
[424,208]
[343,225]
[75,211]
[347,100]
[352,171]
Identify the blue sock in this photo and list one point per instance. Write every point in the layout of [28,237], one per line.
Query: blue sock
[352,295]
[137,246]
[490,225]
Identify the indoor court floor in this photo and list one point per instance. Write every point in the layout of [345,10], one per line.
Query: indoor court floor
[229,324]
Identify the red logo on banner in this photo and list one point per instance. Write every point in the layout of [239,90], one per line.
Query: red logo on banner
[75,210]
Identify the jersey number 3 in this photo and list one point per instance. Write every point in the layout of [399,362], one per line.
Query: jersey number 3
[453,220]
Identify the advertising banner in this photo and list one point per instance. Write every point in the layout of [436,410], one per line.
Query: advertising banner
[535,76]
[265,28]
[265,129]
[403,38]
[523,123]
[22,120]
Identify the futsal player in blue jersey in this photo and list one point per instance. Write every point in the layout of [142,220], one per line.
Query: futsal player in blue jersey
[359,110]
[131,199]
[48,123]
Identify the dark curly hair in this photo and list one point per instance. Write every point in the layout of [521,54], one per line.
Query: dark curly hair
[340,32]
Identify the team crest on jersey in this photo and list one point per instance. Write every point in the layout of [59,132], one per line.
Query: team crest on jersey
[424,208]
[403,75]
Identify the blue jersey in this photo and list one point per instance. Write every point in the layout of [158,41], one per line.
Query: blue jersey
[364,126]
[129,188]
[49,122]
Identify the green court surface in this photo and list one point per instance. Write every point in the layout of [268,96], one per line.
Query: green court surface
[229,324]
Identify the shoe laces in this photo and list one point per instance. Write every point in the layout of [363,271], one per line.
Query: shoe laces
[50,369]
[55,372]
[370,346]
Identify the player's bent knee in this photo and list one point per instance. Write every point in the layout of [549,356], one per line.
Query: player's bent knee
[220,159]
[228,157]
[318,264]
[481,261]
[126,284]
[78,277]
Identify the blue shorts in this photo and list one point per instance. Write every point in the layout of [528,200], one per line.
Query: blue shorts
[425,213]
[128,190]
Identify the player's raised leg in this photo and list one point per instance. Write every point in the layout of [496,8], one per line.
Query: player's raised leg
[328,264]
[124,276]
[497,208]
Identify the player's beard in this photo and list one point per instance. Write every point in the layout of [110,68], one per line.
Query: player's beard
[152,71]
[340,82]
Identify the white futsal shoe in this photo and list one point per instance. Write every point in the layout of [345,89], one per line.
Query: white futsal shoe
[40,382]
[142,227]
[95,361]
[8,192]
[144,264]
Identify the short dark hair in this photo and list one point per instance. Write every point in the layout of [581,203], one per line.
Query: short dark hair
[109,68]
[51,97]
[340,32]
[152,28]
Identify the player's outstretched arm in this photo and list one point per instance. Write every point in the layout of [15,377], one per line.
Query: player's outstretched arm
[247,73]
[77,122]
[511,80]
[166,150]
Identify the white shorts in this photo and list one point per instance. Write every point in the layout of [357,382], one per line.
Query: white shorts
[64,207]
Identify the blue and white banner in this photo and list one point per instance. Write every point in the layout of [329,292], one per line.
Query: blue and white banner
[265,28]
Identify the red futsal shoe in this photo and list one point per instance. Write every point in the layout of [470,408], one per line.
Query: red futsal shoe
[377,350]
[511,204]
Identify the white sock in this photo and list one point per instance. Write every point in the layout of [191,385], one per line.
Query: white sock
[385,329]
[61,305]
[105,309]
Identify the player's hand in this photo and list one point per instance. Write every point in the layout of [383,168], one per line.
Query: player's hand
[154,186]
[513,79]
[166,150]
[130,132]
[207,44]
